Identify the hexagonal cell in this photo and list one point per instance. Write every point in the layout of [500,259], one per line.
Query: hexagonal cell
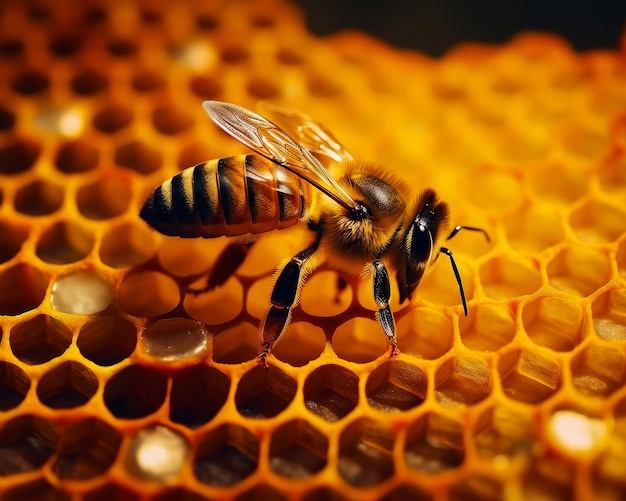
[148,294]
[598,370]
[39,198]
[297,450]
[122,47]
[236,345]
[505,277]
[178,494]
[135,392]
[326,294]
[105,198]
[527,376]
[549,478]
[39,339]
[598,221]
[156,453]
[29,293]
[425,333]
[64,45]
[86,449]
[583,143]
[26,443]
[81,293]
[226,456]
[261,492]
[488,327]
[147,81]
[439,285]
[63,243]
[67,386]
[218,305]
[264,393]
[534,229]
[128,244]
[365,453]
[462,381]
[107,340]
[12,237]
[579,270]
[325,493]
[77,156]
[301,343]
[88,82]
[138,157]
[205,87]
[331,392]
[360,340]
[477,487]
[110,491]
[407,492]
[609,315]
[503,432]
[14,384]
[554,322]
[612,176]
[558,183]
[497,189]
[197,395]
[396,386]
[35,490]
[18,155]
[112,118]
[434,443]
[30,82]
[170,120]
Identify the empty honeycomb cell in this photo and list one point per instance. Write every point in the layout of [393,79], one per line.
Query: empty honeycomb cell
[172,340]
[18,155]
[12,237]
[183,257]
[497,190]
[505,277]
[434,443]
[549,479]
[110,491]
[39,198]
[503,433]
[234,54]
[22,288]
[439,285]
[396,386]
[77,156]
[39,339]
[158,453]
[612,174]
[326,293]
[261,88]
[325,493]
[597,221]
[197,395]
[11,47]
[14,384]
[297,450]
[86,450]
[579,270]
[81,293]
[148,294]
[246,347]
[575,432]
[63,243]
[331,392]
[477,487]
[26,443]
[488,327]
[598,370]
[105,198]
[289,56]
[554,322]
[425,333]
[170,120]
[462,381]
[360,340]
[533,229]
[134,392]
[67,386]
[112,118]
[584,143]
[36,490]
[264,393]
[139,157]
[30,82]
[226,455]
[301,343]
[609,315]
[266,254]
[147,81]
[107,340]
[407,491]
[122,47]
[261,491]
[64,45]
[206,87]
[7,119]
[364,457]
[128,244]
[527,376]
[193,154]
[215,306]
[557,183]
[88,82]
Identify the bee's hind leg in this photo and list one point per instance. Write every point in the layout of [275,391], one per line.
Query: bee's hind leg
[226,264]
[283,298]
[382,295]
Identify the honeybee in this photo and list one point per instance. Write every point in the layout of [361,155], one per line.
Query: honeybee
[360,217]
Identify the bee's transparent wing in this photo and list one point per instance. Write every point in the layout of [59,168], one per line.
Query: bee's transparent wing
[266,139]
[310,133]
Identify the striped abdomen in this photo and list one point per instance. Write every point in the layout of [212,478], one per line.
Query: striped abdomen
[227,197]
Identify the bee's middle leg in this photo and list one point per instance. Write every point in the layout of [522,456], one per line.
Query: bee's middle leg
[382,296]
[226,264]
[283,298]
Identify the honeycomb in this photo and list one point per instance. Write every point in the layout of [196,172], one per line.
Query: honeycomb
[116,383]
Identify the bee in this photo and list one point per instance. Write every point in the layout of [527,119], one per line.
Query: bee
[361,217]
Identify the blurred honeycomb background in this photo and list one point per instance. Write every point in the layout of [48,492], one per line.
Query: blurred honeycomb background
[117,384]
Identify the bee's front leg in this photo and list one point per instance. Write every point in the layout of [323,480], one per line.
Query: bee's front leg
[382,296]
[283,299]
